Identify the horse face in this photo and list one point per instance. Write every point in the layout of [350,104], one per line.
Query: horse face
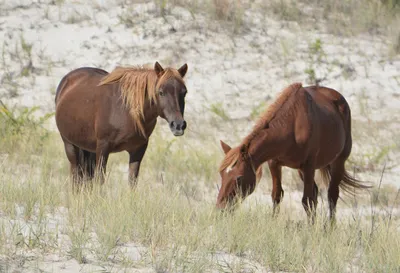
[237,181]
[171,102]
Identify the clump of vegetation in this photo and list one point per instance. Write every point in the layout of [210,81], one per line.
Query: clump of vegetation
[21,126]
[218,110]
[316,62]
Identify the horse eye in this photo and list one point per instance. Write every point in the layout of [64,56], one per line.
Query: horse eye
[161,93]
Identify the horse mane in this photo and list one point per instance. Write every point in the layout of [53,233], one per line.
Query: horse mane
[270,113]
[136,85]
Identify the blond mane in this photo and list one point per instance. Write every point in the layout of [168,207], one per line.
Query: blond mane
[137,84]
[233,155]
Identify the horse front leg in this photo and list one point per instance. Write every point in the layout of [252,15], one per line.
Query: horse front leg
[135,159]
[102,153]
[277,191]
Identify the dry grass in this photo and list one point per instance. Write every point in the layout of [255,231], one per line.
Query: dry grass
[350,17]
[170,218]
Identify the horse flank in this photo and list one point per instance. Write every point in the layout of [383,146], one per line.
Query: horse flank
[137,84]
[233,155]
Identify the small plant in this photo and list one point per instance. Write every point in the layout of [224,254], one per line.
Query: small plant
[230,11]
[17,127]
[218,109]
[285,9]
[319,67]
[161,6]
[79,239]
[316,55]
[27,68]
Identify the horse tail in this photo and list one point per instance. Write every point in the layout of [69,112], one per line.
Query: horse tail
[87,163]
[348,184]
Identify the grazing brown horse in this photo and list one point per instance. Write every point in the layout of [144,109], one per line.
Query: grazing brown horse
[98,113]
[306,128]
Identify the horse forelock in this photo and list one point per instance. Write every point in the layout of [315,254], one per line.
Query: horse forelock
[136,85]
[230,159]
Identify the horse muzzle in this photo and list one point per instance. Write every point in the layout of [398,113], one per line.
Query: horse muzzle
[177,127]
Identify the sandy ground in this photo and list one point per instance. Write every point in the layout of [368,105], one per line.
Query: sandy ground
[236,72]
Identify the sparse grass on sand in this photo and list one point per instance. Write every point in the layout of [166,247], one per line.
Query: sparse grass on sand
[170,218]
[345,18]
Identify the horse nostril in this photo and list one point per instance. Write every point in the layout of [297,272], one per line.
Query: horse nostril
[172,124]
[184,125]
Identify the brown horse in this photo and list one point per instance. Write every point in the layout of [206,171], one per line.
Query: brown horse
[306,128]
[98,113]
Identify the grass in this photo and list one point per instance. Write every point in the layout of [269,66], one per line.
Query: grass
[344,18]
[174,227]
[219,110]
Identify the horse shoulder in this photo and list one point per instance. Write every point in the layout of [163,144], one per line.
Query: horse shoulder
[303,118]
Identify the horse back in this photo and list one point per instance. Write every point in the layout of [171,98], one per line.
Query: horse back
[74,74]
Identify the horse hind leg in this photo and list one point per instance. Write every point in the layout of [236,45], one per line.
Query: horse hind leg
[310,193]
[89,163]
[88,166]
[336,170]
[76,172]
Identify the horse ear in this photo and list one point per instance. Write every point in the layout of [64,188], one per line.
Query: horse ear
[158,68]
[182,70]
[225,147]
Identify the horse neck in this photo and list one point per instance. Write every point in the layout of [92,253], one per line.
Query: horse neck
[267,144]
[150,112]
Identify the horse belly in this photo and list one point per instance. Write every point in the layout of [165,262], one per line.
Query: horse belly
[294,159]
[76,124]
[332,143]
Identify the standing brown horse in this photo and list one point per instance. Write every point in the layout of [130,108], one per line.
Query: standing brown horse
[98,113]
[306,128]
